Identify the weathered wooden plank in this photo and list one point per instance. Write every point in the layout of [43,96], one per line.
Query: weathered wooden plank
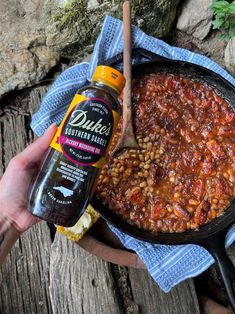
[15,136]
[24,277]
[80,282]
[36,97]
[180,300]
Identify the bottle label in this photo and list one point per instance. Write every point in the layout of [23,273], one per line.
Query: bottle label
[86,130]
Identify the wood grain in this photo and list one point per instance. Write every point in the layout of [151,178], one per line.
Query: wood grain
[36,97]
[15,136]
[24,276]
[80,282]
[180,300]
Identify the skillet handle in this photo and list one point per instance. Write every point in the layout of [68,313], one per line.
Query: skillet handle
[215,245]
[137,53]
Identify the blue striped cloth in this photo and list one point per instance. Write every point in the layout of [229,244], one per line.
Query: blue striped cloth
[168,265]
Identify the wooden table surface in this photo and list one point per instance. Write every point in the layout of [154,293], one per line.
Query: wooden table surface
[42,275]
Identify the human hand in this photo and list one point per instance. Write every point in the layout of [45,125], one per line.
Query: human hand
[16,181]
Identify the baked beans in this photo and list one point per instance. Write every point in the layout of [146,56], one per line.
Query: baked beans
[183,175]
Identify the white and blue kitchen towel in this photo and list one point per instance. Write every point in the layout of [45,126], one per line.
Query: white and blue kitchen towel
[168,265]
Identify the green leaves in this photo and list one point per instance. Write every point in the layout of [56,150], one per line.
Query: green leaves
[218,5]
[224,12]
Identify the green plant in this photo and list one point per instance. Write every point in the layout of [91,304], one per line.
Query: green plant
[224,12]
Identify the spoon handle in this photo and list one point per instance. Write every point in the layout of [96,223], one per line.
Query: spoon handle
[127,49]
[127,138]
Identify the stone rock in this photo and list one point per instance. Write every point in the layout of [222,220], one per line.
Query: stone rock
[34,34]
[24,57]
[229,55]
[213,47]
[196,18]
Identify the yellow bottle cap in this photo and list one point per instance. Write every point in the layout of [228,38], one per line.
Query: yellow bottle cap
[110,77]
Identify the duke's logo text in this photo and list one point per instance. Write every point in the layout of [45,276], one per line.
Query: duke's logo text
[79,119]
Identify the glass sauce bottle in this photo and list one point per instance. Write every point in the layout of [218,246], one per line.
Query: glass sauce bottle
[66,181]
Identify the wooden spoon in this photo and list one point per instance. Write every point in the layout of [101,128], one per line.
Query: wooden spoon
[127,139]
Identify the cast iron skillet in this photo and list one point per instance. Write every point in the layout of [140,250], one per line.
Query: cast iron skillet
[212,235]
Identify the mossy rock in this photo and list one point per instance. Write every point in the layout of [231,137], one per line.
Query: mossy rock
[46,30]
[74,25]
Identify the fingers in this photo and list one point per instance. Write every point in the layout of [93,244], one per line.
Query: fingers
[36,151]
